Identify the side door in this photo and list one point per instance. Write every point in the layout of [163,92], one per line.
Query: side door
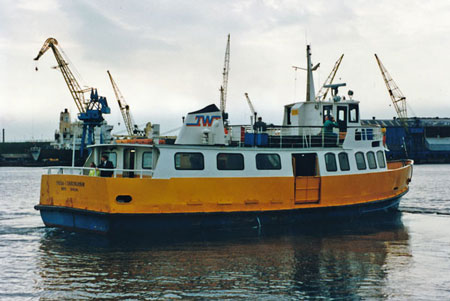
[306,178]
[341,120]
[129,158]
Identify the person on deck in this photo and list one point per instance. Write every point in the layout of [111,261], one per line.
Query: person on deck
[106,164]
[330,137]
[94,172]
[260,126]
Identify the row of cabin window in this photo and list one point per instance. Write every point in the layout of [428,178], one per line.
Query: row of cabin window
[147,159]
[331,164]
[226,161]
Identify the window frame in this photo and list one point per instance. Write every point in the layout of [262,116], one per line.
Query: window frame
[230,154]
[352,107]
[371,154]
[383,159]
[364,161]
[347,160]
[327,165]
[189,153]
[143,154]
[268,154]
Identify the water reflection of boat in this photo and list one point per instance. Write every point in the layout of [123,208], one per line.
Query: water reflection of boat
[307,170]
[335,262]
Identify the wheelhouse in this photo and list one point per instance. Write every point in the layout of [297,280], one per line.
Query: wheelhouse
[129,160]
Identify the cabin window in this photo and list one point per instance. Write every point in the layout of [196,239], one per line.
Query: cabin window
[112,156]
[371,160]
[327,110]
[330,162]
[357,135]
[268,161]
[343,161]
[189,161]
[380,157]
[360,161]
[353,113]
[147,160]
[227,161]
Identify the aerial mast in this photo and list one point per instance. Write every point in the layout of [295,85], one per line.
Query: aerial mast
[226,69]
[310,91]
[397,97]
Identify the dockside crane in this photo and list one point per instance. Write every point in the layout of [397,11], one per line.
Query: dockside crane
[250,105]
[224,87]
[132,128]
[90,110]
[397,97]
[322,94]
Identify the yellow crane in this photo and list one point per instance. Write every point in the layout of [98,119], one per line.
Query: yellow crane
[132,128]
[250,105]
[90,110]
[72,83]
[226,69]
[397,97]
[322,94]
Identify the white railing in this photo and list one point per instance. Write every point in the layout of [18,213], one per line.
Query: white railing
[306,136]
[84,171]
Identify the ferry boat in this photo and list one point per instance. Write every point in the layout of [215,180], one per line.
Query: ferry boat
[217,175]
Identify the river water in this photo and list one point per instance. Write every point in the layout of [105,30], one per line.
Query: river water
[406,257]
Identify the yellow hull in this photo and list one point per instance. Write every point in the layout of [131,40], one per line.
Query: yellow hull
[207,195]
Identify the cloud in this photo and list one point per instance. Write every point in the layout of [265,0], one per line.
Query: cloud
[167,56]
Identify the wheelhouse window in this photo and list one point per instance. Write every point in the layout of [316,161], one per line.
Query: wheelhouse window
[268,161]
[353,113]
[327,110]
[226,161]
[189,161]
[112,156]
[330,162]
[381,161]
[360,161]
[343,161]
[371,160]
[147,160]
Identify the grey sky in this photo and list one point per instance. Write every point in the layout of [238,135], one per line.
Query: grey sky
[167,56]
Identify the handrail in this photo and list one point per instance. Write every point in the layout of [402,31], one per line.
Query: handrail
[80,171]
[306,136]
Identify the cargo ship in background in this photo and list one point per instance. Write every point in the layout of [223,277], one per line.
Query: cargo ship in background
[50,153]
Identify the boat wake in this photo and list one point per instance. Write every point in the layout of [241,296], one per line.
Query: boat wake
[438,211]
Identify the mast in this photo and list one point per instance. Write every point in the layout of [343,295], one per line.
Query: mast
[310,91]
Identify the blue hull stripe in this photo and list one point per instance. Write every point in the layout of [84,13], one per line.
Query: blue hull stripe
[85,220]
